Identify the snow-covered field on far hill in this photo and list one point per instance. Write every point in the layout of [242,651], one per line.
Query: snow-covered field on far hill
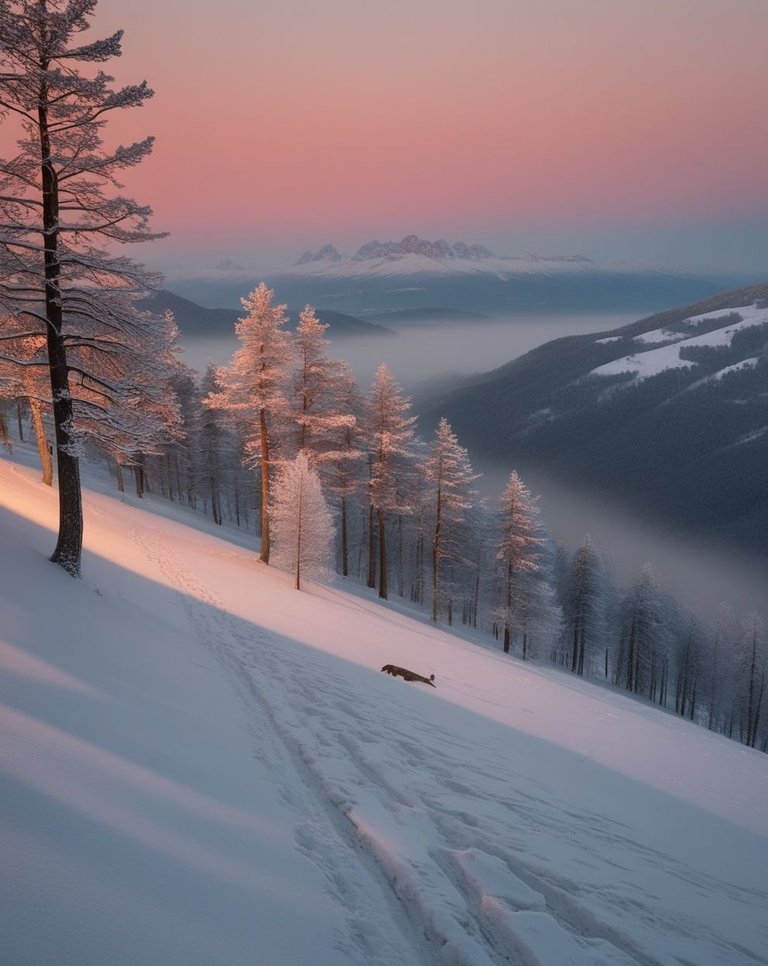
[199,765]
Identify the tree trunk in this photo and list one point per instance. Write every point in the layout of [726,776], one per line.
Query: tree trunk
[138,475]
[264,485]
[436,557]
[420,567]
[576,633]
[344,539]
[119,477]
[371,582]
[69,545]
[300,536]
[215,500]
[20,422]
[5,438]
[383,587]
[46,462]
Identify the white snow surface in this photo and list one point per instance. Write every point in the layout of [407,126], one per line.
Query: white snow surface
[200,765]
[736,367]
[652,361]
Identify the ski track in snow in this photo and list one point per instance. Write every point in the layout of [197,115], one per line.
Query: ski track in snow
[429,868]
[326,838]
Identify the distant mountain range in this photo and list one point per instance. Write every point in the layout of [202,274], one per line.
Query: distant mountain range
[417,256]
[669,414]
[415,273]
[196,320]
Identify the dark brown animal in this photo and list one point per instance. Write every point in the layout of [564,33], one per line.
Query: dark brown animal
[403,672]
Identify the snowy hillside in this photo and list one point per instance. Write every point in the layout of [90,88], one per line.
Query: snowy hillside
[662,349]
[642,414]
[200,765]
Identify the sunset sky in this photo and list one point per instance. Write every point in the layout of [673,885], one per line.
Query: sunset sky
[616,128]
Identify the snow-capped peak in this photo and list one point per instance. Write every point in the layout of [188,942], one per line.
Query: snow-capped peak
[416,256]
[328,253]
[413,245]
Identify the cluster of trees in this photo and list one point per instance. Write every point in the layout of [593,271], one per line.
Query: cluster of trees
[710,670]
[283,442]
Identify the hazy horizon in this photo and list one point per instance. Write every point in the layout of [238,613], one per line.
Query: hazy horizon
[629,131]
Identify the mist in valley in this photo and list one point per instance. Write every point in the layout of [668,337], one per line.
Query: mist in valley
[424,353]
[700,574]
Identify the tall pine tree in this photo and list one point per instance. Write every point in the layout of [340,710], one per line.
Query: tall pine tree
[255,387]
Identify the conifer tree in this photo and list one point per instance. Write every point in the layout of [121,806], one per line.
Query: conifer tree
[320,388]
[585,606]
[752,672]
[689,652]
[646,637]
[255,388]
[722,641]
[24,376]
[302,523]
[518,552]
[450,476]
[390,439]
[58,212]
[341,460]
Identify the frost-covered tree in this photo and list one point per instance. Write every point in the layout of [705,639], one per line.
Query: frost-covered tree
[688,654]
[518,553]
[255,387]
[717,677]
[539,615]
[327,410]
[342,457]
[584,611]
[26,378]
[390,439]
[320,388]
[135,413]
[645,638]
[752,669]
[61,216]
[301,521]
[449,476]
[208,437]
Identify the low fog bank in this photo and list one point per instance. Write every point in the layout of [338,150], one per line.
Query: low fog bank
[423,353]
[700,572]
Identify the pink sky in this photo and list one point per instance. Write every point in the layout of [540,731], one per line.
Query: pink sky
[286,123]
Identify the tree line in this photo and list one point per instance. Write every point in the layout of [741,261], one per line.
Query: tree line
[282,442]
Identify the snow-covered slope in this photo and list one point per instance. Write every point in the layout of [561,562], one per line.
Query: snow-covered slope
[649,358]
[199,765]
[666,415]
